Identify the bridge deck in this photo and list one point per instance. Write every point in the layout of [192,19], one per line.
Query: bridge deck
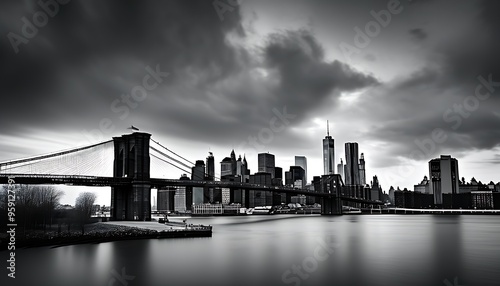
[77,180]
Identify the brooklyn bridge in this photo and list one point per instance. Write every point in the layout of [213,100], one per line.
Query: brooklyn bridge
[131,181]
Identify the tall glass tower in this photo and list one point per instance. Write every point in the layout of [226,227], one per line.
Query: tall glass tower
[340,169]
[328,153]
[362,170]
[210,167]
[266,163]
[352,164]
[302,162]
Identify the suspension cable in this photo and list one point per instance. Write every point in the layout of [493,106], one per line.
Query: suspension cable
[171,151]
[40,157]
[170,163]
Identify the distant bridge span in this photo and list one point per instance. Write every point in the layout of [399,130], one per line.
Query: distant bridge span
[131,180]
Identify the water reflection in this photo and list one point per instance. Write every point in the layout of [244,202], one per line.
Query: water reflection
[373,250]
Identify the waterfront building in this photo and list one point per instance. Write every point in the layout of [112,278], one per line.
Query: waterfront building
[261,198]
[299,199]
[166,199]
[391,195]
[188,194]
[443,176]
[180,200]
[207,209]
[422,187]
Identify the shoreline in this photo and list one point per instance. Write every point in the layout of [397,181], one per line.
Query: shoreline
[101,233]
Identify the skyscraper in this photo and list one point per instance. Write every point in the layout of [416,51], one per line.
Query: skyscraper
[278,172]
[278,176]
[443,176]
[189,193]
[198,171]
[340,169]
[226,167]
[302,162]
[297,174]
[210,167]
[288,178]
[376,190]
[352,165]
[362,170]
[198,174]
[391,195]
[166,199]
[233,163]
[328,153]
[266,163]
[244,170]
[239,166]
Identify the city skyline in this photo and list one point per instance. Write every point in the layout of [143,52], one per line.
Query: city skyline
[406,96]
[229,142]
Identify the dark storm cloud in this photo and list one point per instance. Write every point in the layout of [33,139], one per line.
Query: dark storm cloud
[475,52]
[305,78]
[426,101]
[418,34]
[289,75]
[90,52]
[221,89]
[413,106]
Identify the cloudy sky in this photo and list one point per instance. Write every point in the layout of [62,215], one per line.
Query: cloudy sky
[407,80]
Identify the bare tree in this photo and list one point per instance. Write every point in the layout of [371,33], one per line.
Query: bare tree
[3,197]
[35,205]
[47,198]
[83,205]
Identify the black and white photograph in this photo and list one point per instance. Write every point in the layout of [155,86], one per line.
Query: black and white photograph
[250,142]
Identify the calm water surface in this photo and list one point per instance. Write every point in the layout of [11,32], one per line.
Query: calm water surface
[259,250]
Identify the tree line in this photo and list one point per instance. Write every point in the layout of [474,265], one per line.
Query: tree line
[37,208]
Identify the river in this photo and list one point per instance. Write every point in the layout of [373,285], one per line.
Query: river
[262,250]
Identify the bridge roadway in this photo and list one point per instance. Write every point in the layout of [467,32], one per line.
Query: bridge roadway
[77,180]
